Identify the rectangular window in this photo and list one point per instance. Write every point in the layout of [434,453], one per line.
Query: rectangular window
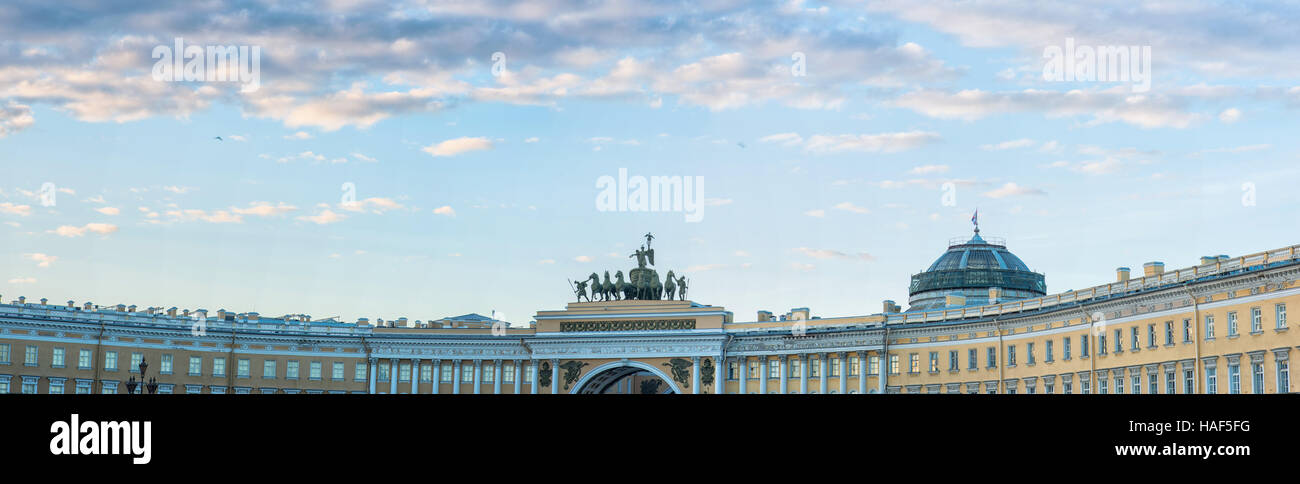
[893,364]
[854,365]
[1151,335]
[528,372]
[1068,387]
[815,368]
[508,374]
[1119,341]
[731,369]
[466,374]
[1137,384]
[1049,358]
[1085,387]
[1257,378]
[291,370]
[1065,348]
[29,387]
[336,372]
[913,363]
[83,387]
[165,365]
[1209,326]
[83,359]
[1134,342]
[56,387]
[1170,388]
[243,368]
[219,366]
[1187,331]
[1283,377]
[934,362]
[973,356]
[1232,324]
[1169,333]
[4,354]
[1119,384]
[136,358]
[1101,386]
[1029,353]
[1234,379]
[1153,386]
[315,370]
[445,373]
[834,368]
[196,365]
[56,358]
[1256,320]
[1101,344]
[268,369]
[110,361]
[1011,355]
[953,364]
[404,372]
[426,373]
[359,373]
[1083,345]
[489,372]
[993,357]
[873,365]
[1189,381]
[32,356]
[755,370]
[1280,310]
[1211,381]
[384,370]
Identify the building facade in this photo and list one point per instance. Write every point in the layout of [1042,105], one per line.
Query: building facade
[1218,327]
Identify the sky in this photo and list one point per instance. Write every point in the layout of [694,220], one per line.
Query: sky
[426,159]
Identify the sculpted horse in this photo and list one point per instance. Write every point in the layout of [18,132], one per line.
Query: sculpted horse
[670,285]
[628,289]
[608,289]
[596,288]
[656,288]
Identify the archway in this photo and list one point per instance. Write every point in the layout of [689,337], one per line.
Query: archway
[626,375]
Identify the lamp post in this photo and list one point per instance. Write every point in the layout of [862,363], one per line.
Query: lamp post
[151,385]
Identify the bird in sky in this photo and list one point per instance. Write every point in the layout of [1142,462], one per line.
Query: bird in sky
[218,138]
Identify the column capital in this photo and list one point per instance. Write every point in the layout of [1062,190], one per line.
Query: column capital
[784,358]
[373,359]
[415,359]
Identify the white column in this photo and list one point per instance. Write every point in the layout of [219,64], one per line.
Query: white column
[844,373]
[695,375]
[532,370]
[762,374]
[455,377]
[785,373]
[863,364]
[415,376]
[555,377]
[478,376]
[719,384]
[496,377]
[372,362]
[519,376]
[392,376]
[742,365]
[803,373]
[825,379]
[437,375]
[882,379]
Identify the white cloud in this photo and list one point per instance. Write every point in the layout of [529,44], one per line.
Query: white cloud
[929,169]
[1230,115]
[264,209]
[445,210]
[373,204]
[849,207]
[108,210]
[74,231]
[42,260]
[300,135]
[192,215]
[453,147]
[546,261]
[15,117]
[1008,145]
[325,216]
[833,254]
[583,258]
[12,209]
[819,213]
[869,143]
[23,280]
[1011,189]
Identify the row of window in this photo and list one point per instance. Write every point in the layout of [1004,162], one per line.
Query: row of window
[447,372]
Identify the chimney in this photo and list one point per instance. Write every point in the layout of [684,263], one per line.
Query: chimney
[1153,269]
[130,309]
[363,322]
[22,299]
[72,304]
[764,316]
[221,314]
[402,322]
[800,314]
[890,306]
[1122,274]
[44,300]
[171,313]
[88,306]
[254,317]
[1208,259]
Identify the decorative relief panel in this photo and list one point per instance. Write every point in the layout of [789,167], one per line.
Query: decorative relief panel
[633,325]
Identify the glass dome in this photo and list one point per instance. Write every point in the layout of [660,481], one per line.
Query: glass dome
[972,269]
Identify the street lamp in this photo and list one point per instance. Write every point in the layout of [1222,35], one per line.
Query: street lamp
[151,386]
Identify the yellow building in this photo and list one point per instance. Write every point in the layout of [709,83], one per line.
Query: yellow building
[980,322]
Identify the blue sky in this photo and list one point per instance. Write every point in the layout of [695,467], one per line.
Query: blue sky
[477,191]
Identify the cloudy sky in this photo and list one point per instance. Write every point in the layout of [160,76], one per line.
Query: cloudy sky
[430,158]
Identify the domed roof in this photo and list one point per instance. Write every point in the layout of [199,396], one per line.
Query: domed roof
[978,254]
[980,271]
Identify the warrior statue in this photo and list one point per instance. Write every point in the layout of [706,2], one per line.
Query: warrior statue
[641,255]
[670,285]
[582,291]
[681,287]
